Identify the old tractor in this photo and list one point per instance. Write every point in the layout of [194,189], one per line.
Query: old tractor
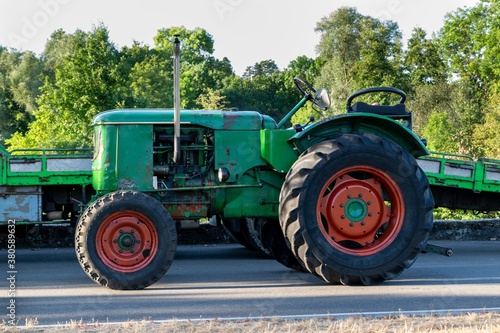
[342,198]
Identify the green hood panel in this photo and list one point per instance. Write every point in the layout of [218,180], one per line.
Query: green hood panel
[217,120]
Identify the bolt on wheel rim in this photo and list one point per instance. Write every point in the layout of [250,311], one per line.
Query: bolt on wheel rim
[360,210]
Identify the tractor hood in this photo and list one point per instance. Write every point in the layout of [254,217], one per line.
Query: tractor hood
[217,120]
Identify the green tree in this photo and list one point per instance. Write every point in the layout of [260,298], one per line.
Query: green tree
[149,82]
[262,89]
[430,91]
[200,70]
[263,68]
[59,46]
[84,85]
[469,42]
[451,129]
[307,69]
[358,51]
[440,132]
[20,80]
[426,99]
[487,135]
[339,48]
[302,67]
[380,58]
[423,60]
[212,100]
[26,79]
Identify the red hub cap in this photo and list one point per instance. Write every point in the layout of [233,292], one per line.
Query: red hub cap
[360,210]
[127,241]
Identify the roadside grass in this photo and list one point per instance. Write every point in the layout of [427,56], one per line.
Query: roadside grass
[469,323]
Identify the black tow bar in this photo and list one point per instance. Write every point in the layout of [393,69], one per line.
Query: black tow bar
[444,251]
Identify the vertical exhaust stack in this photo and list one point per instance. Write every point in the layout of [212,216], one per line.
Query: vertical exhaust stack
[177,101]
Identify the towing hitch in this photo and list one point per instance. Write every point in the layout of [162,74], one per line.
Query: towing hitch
[444,251]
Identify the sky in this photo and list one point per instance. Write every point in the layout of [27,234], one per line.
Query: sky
[244,31]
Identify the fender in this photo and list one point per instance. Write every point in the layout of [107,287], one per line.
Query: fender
[359,123]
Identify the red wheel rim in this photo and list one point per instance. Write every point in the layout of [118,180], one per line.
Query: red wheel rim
[127,241]
[360,210]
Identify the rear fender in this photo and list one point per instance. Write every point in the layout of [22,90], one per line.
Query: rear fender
[359,123]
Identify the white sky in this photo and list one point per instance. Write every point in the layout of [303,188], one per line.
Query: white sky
[245,31]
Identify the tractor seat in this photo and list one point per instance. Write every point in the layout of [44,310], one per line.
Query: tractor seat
[395,112]
[385,110]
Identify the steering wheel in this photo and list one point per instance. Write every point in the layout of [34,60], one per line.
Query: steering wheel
[304,87]
[319,97]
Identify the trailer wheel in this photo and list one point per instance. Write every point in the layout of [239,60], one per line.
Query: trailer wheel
[125,240]
[356,209]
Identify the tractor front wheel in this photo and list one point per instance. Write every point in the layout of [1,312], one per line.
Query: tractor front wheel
[125,240]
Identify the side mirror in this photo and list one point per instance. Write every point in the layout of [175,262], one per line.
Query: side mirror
[321,99]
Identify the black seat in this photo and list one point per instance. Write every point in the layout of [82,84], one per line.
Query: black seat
[396,112]
[385,110]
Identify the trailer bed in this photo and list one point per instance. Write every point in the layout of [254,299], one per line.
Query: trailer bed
[460,182]
[44,185]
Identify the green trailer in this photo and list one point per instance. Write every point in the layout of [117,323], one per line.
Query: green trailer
[460,182]
[44,185]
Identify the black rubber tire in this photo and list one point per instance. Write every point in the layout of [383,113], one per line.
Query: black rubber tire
[247,232]
[125,202]
[303,188]
[275,243]
[252,231]
[233,228]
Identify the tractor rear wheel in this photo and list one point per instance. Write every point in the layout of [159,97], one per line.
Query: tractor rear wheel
[125,240]
[356,209]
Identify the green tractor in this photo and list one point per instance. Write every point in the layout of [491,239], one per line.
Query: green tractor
[342,198]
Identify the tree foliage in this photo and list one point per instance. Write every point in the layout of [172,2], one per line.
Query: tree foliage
[212,100]
[358,51]
[469,41]
[486,135]
[267,89]
[452,79]
[83,86]
[20,80]
[469,44]
[200,70]
[423,60]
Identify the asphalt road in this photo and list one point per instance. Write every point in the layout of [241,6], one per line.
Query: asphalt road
[226,281]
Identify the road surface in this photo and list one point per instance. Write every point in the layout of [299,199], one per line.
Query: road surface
[227,281]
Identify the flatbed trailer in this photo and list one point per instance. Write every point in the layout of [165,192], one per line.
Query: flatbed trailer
[44,185]
[460,182]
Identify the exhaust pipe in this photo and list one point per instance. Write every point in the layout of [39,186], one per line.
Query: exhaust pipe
[177,101]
